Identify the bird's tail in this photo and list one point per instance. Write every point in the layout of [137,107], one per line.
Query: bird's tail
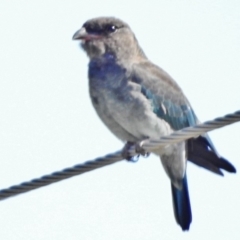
[202,152]
[181,205]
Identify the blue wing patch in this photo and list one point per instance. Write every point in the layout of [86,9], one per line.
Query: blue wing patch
[178,116]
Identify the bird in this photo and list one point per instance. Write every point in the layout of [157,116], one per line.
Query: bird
[138,100]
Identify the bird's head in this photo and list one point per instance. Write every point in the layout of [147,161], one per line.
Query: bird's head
[105,35]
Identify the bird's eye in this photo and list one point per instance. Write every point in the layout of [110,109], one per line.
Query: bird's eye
[110,28]
[91,29]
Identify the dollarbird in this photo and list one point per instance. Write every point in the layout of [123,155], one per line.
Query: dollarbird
[137,100]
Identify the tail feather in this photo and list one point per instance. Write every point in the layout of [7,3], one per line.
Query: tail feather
[181,205]
[202,153]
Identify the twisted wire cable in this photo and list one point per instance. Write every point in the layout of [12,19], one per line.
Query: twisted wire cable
[61,175]
[148,145]
[192,132]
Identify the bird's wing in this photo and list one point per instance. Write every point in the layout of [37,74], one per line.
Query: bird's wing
[167,99]
[169,103]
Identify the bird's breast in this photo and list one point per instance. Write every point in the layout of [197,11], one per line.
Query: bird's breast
[119,101]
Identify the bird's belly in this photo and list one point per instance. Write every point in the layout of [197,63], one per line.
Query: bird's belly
[107,114]
[129,115]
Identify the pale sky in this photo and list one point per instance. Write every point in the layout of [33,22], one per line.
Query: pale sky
[47,121]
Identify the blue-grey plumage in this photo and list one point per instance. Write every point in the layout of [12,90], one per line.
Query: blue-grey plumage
[137,100]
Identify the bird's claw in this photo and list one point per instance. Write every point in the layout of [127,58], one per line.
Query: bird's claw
[126,152]
[138,149]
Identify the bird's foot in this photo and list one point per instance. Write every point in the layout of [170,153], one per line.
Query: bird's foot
[138,149]
[126,152]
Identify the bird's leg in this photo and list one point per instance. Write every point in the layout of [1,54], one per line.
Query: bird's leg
[138,149]
[126,152]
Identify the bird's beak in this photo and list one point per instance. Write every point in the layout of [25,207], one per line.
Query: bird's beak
[82,34]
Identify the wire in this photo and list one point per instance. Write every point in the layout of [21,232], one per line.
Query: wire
[148,145]
[61,175]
